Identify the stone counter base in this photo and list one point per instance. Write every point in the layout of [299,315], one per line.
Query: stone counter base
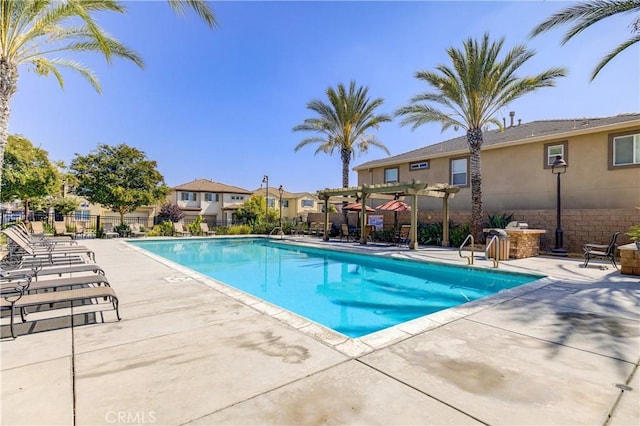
[629,259]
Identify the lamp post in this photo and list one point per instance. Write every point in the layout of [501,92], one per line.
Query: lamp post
[265,179]
[280,191]
[558,167]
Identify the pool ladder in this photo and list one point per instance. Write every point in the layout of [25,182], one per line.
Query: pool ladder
[279,229]
[469,258]
[493,240]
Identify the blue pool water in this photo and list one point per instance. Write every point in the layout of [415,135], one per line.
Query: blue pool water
[353,294]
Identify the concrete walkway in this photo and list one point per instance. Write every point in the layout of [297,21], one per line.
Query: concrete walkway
[564,350]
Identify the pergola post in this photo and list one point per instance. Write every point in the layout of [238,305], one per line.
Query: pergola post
[413,234]
[445,220]
[363,218]
[325,237]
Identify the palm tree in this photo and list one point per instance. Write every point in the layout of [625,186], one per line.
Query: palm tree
[343,124]
[585,14]
[472,91]
[32,31]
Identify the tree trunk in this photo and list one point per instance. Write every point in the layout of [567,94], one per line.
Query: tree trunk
[8,86]
[474,138]
[345,155]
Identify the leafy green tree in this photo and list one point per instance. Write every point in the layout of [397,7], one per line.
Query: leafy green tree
[35,32]
[118,177]
[28,173]
[471,92]
[65,205]
[584,14]
[343,124]
[252,211]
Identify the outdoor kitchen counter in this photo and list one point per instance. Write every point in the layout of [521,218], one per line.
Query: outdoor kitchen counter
[524,242]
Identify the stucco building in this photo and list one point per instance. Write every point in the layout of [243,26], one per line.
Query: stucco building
[599,191]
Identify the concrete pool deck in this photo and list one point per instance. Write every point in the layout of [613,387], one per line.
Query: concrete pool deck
[564,350]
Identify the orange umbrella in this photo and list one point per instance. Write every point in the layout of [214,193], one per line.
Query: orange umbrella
[395,206]
[356,207]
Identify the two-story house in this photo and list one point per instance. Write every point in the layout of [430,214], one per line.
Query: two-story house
[215,201]
[295,205]
[599,189]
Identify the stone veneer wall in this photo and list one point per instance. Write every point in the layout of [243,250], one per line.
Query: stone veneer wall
[580,226]
[630,260]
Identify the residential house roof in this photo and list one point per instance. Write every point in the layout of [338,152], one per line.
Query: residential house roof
[206,185]
[273,192]
[513,135]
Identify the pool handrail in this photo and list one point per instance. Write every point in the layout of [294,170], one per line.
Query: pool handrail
[494,240]
[469,258]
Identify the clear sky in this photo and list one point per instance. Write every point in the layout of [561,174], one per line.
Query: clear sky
[221,104]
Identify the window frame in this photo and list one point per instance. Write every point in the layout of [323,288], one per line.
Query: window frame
[305,201]
[546,157]
[397,170]
[467,171]
[426,163]
[611,150]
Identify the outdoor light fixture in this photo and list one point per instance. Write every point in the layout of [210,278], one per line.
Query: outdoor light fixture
[558,167]
[265,179]
[280,190]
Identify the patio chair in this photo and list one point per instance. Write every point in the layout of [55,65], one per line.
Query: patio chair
[19,247]
[179,231]
[108,231]
[403,235]
[38,237]
[14,295]
[299,229]
[313,228]
[346,233]
[204,229]
[83,232]
[61,229]
[136,231]
[38,268]
[607,251]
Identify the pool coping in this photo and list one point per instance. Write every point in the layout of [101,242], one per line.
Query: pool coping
[351,347]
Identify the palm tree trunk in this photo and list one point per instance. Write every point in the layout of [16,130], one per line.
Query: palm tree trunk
[345,155]
[474,138]
[8,86]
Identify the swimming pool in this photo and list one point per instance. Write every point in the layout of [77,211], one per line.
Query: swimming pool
[353,294]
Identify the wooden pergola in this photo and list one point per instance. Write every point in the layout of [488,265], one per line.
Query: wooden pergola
[412,189]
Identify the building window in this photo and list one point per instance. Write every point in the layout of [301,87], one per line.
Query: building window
[209,196]
[391,175]
[307,203]
[552,150]
[237,197]
[625,150]
[459,171]
[81,215]
[188,196]
[285,203]
[419,165]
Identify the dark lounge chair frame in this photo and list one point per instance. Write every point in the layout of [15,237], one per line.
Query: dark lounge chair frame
[607,251]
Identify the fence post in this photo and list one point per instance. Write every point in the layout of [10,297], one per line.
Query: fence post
[97,224]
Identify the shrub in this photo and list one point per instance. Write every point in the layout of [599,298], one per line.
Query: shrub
[458,233]
[239,230]
[194,227]
[165,229]
[170,211]
[430,234]
[498,221]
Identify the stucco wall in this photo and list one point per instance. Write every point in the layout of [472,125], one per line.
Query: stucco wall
[514,177]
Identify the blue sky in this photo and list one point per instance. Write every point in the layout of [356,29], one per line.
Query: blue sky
[221,104]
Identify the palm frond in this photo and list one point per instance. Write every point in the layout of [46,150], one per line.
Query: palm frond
[43,66]
[200,7]
[613,54]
